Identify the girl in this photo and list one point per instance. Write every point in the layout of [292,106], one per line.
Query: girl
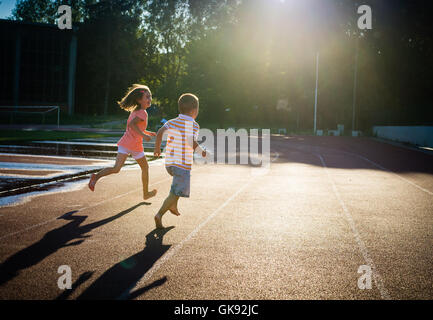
[137,100]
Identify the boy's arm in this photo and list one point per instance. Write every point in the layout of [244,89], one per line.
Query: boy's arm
[195,145]
[157,148]
[134,126]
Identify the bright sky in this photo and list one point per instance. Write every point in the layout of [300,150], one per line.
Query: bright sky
[6,7]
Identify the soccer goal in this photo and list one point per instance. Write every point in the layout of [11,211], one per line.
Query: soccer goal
[31,114]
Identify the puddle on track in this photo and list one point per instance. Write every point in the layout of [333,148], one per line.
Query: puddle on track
[16,189]
[43,189]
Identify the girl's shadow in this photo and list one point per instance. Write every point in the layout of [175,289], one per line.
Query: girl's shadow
[118,281]
[53,241]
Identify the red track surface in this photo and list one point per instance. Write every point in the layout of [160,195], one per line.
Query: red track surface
[327,206]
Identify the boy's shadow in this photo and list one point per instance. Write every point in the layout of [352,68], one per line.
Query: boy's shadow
[117,282]
[53,241]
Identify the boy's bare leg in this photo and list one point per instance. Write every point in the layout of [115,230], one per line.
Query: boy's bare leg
[120,160]
[145,178]
[168,202]
[173,209]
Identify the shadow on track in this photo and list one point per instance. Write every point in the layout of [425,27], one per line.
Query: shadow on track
[118,281]
[53,241]
[351,153]
[339,152]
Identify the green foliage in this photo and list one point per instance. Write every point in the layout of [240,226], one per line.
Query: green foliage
[245,56]
[45,11]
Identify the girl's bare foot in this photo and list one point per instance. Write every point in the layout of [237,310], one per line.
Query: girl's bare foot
[174,211]
[149,194]
[92,182]
[158,222]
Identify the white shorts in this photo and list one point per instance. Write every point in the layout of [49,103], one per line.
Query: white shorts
[135,154]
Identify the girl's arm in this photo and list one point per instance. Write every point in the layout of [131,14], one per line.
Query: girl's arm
[134,126]
[150,133]
[158,140]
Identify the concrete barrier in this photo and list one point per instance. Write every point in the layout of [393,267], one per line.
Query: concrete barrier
[417,135]
[334,133]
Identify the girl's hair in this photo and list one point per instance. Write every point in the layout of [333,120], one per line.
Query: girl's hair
[134,93]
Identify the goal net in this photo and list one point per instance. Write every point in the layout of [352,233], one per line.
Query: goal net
[22,115]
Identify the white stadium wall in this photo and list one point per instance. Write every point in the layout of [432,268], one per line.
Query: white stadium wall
[417,135]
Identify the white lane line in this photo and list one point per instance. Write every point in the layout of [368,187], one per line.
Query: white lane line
[85,208]
[388,170]
[127,167]
[376,276]
[173,250]
[82,209]
[378,166]
[52,157]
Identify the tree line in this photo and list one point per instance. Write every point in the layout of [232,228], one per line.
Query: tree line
[253,62]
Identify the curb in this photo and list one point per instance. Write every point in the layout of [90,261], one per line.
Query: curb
[27,185]
[402,145]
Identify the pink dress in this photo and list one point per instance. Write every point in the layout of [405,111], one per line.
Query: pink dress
[131,140]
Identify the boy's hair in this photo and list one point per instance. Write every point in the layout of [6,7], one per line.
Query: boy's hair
[187,102]
[134,93]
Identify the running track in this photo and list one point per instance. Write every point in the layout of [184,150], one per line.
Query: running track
[327,206]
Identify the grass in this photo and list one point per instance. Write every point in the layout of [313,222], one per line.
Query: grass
[91,120]
[20,135]
[114,122]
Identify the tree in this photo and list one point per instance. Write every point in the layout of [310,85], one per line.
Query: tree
[109,54]
[247,55]
[45,11]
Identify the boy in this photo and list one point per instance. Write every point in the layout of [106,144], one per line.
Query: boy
[182,135]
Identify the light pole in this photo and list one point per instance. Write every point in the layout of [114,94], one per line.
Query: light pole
[354,86]
[315,96]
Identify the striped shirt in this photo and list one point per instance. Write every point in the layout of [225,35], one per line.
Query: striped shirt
[181,132]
